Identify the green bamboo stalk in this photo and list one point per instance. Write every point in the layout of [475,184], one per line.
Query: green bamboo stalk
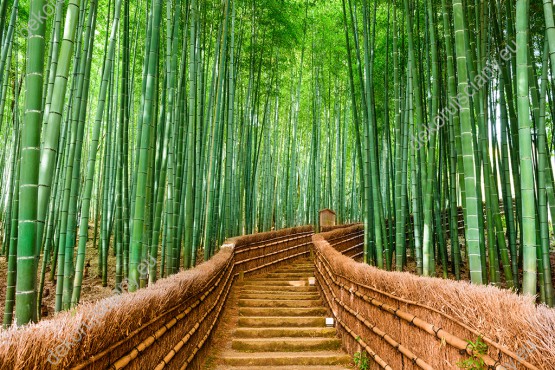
[542,196]
[525,151]
[25,296]
[473,205]
[91,162]
[140,197]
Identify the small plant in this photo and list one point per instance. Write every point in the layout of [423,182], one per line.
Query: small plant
[361,361]
[475,362]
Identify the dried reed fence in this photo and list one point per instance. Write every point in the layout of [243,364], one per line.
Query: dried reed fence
[165,326]
[408,322]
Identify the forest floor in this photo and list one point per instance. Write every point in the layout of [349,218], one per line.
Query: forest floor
[91,291]
[465,271]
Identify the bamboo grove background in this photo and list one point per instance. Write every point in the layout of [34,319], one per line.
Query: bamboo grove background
[152,130]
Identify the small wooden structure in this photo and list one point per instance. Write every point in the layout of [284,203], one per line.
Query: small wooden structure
[327,217]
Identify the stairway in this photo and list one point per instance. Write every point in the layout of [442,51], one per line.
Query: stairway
[281,325]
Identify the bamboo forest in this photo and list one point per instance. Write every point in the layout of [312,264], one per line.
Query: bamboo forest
[141,139]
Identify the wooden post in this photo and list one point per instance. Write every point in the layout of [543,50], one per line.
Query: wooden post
[327,217]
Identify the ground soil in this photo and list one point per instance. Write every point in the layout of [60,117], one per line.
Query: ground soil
[92,289]
[465,274]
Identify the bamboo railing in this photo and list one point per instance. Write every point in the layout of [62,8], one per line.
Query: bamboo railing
[394,331]
[165,326]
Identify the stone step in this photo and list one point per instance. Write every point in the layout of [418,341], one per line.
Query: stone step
[287,277]
[295,269]
[265,288]
[290,275]
[291,367]
[281,321]
[294,303]
[302,271]
[282,311]
[275,282]
[280,295]
[289,344]
[309,267]
[280,290]
[281,325]
[271,359]
[284,332]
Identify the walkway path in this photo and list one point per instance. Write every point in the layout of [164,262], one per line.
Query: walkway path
[281,325]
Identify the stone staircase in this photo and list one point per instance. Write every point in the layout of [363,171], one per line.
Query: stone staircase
[280,324]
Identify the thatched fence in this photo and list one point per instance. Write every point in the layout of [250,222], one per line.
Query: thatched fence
[400,320]
[167,325]
[404,321]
